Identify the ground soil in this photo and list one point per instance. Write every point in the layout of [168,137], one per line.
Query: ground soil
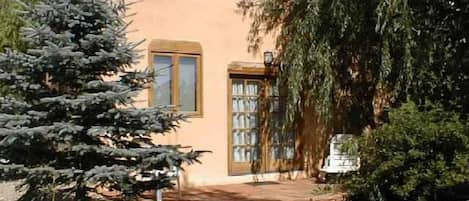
[8,191]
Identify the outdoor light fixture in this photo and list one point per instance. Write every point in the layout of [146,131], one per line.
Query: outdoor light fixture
[268,58]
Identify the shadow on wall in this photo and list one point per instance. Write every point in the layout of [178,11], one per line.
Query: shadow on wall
[310,148]
[314,141]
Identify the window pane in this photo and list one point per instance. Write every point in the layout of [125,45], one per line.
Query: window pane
[251,104]
[274,91]
[238,137]
[289,152]
[237,87]
[187,83]
[252,88]
[163,73]
[275,153]
[237,154]
[255,153]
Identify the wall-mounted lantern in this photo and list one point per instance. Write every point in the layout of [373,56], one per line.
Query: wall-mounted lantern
[268,58]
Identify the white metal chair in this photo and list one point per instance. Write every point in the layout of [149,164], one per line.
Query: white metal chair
[338,161]
[173,173]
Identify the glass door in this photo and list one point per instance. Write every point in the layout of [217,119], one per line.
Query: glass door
[280,141]
[245,147]
[257,142]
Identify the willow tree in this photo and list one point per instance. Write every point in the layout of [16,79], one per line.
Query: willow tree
[11,23]
[344,57]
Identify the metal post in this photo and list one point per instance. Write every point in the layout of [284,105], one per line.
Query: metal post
[158,194]
[179,188]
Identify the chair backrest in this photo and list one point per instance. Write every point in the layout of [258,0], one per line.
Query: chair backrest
[337,160]
[173,171]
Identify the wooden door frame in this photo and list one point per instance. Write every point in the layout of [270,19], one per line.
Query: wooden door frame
[239,168]
[266,164]
[282,164]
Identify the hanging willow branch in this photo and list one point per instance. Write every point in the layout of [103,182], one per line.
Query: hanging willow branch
[343,56]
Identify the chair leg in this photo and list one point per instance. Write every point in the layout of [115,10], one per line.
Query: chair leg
[179,188]
[159,195]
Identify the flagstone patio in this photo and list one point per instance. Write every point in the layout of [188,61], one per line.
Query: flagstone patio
[298,190]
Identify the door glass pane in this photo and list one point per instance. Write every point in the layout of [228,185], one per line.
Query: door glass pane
[234,103]
[236,154]
[291,137]
[163,72]
[253,122]
[237,137]
[289,152]
[235,121]
[275,152]
[237,88]
[274,90]
[275,137]
[275,105]
[247,154]
[241,120]
[252,88]
[253,137]
[247,138]
[282,141]
[251,104]
[239,104]
[242,154]
[187,84]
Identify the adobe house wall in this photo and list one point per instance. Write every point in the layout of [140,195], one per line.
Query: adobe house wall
[222,33]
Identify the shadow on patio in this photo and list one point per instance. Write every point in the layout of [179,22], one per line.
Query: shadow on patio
[298,190]
[212,195]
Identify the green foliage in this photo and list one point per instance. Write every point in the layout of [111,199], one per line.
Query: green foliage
[323,189]
[333,54]
[341,54]
[11,23]
[440,52]
[418,156]
[72,125]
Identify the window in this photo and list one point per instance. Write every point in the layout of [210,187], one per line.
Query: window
[177,70]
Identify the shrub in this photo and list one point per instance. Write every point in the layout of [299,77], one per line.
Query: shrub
[421,154]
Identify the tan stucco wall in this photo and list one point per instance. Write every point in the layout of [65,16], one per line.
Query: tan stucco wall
[222,33]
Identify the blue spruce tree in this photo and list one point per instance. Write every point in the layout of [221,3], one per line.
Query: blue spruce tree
[71,126]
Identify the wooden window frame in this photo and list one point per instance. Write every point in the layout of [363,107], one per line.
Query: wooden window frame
[176,50]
